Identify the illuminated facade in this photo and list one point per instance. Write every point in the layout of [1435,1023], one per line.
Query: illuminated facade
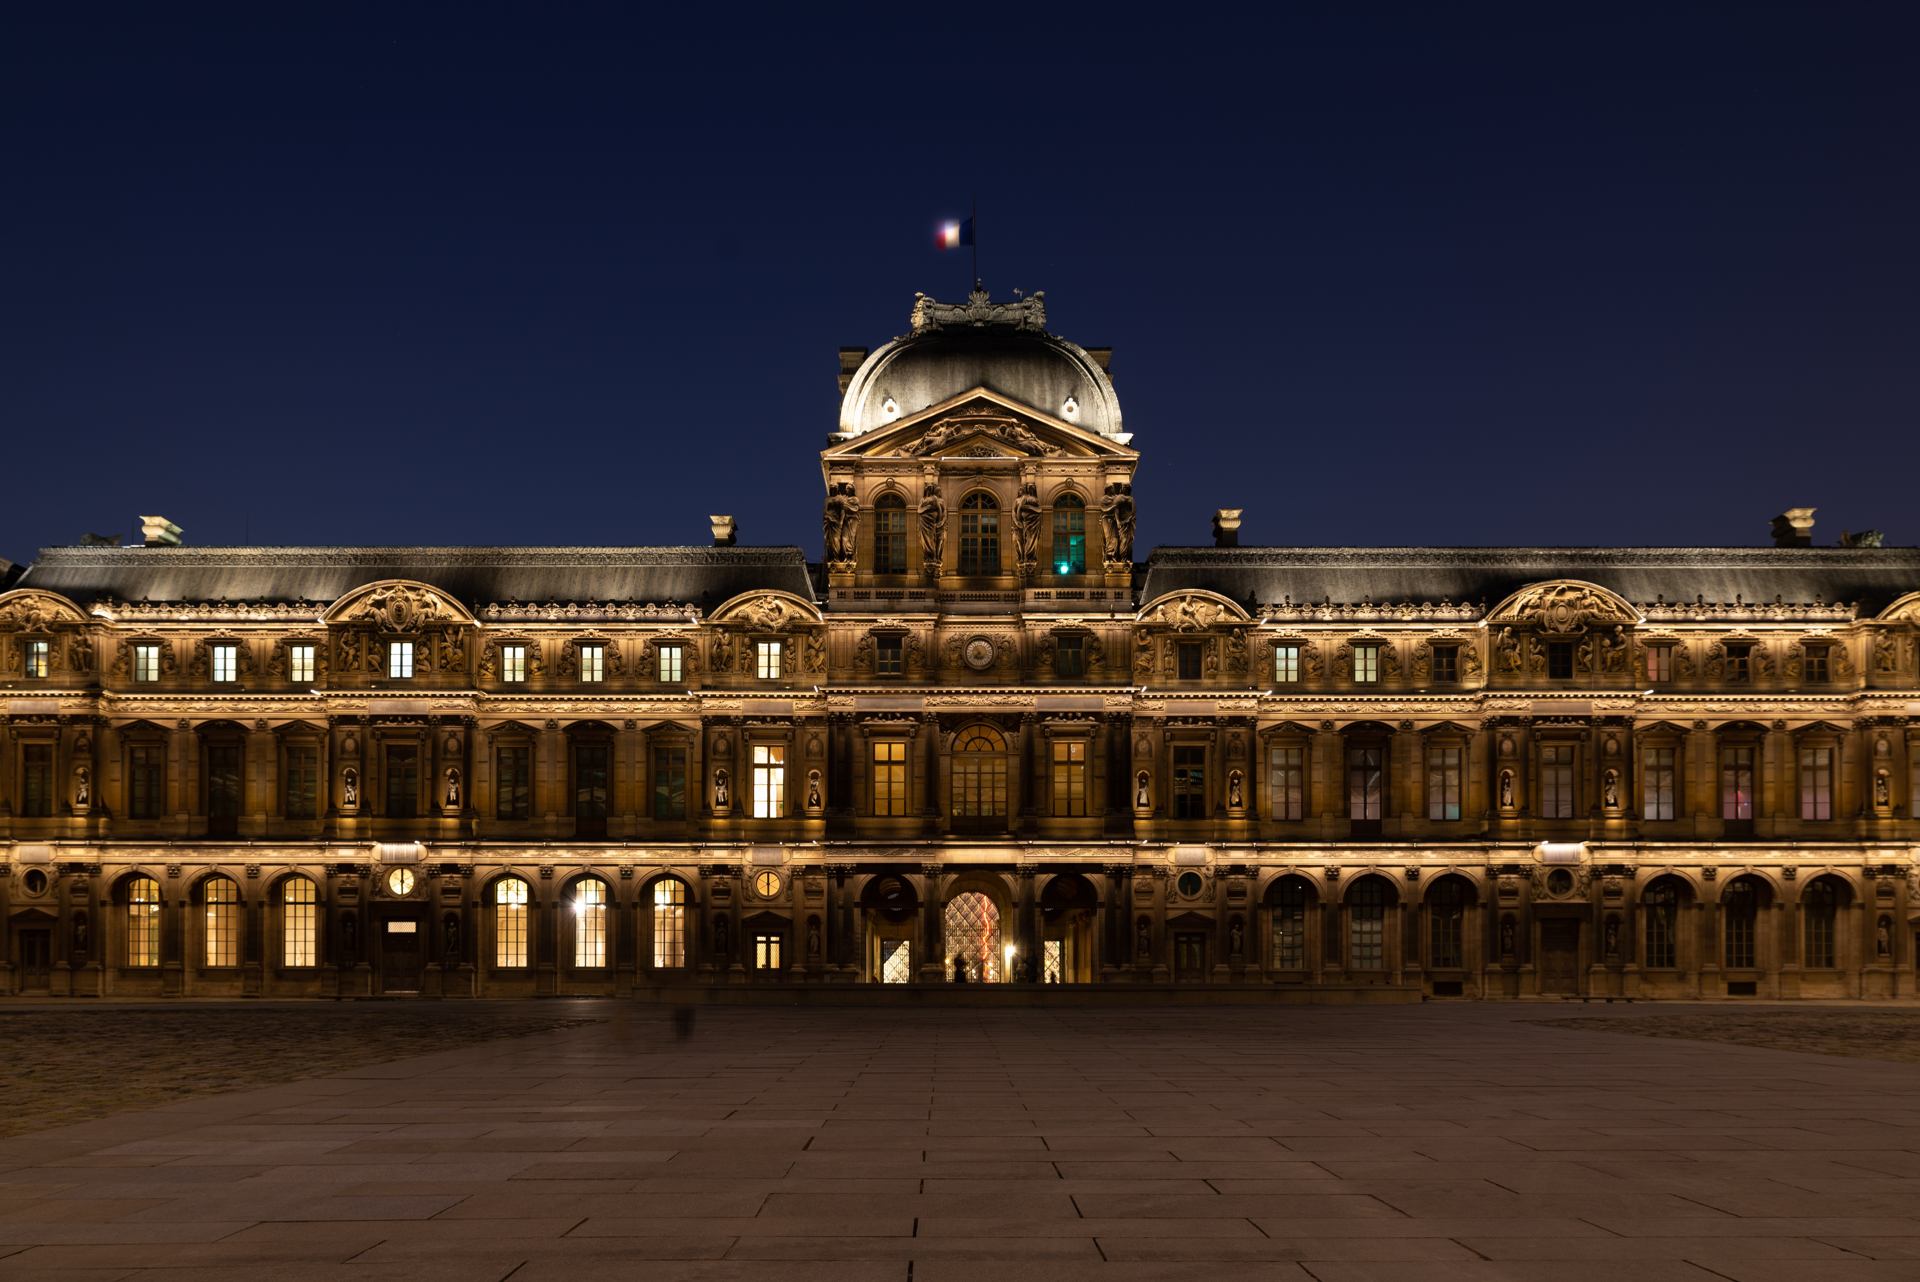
[978,739]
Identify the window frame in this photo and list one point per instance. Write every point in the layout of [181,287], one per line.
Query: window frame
[888,781]
[1070,534]
[890,534]
[1287,781]
[767,763]
[979,543]
[400,657]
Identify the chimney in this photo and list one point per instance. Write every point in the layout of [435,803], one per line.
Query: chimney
[1226,527]
[851,359]
[159,532]
[726,531]
[1793,528]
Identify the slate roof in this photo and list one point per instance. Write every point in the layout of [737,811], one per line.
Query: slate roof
[1868,577]
[478,576]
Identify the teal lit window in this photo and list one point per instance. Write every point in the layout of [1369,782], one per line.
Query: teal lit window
[1069,535]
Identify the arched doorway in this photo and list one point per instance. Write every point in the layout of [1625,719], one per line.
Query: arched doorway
[889,910]
[971,942]
[1067,909]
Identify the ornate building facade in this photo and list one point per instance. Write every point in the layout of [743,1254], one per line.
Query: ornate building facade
[979,741]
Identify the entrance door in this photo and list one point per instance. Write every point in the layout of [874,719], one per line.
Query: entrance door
[36,961]
[402,955]
[1560,956]
[1189,956]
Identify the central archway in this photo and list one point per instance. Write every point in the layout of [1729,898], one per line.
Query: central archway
[972,937]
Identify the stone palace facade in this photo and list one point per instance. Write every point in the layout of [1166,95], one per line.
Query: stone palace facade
[979,741]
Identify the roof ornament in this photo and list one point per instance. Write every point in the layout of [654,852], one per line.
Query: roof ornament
[981,312]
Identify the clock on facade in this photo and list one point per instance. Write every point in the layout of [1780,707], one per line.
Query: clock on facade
[979,654]
[400,882]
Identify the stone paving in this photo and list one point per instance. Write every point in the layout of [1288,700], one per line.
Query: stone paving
[1439,1143]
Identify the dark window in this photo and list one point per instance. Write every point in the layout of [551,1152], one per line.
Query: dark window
[1443,782]
[1817,909]
[1290,926]
[1739,662]
[1070,656]
[1366,782]
[591,769]
[669,783]
[1736,782]
[1188,656]
[1661,907]
[223,789]
[1286,781]
[1556,781]
[1446,664]
[1817,667]
[513,782]
[403,780]
[979,534]
[1742,909]
[1560,660]
[1190,783]
[1069,535]
[302,782]
[1446,912]
[1657,783]
[889,656]
[146,780]
[36,780]
[890,535]
[1660,663]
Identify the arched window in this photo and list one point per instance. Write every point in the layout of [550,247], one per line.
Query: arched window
[1446,915]
[890,534]
[669,923]
[590,922]
[510,923]
[1069,535]
[222,909]
[1818,910]
[143,922]
[979,534]
[979,774]
[1290,925]
[971,933]
[1661,908]
[299,923]
[1741,912]
[1367,925]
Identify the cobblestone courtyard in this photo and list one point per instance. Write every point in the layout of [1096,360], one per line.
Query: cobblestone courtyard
[584,1140]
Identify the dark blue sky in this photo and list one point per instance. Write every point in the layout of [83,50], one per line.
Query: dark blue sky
[576,273]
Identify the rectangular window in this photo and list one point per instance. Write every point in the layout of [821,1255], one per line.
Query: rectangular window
[1736,782]
[769,780]
[222,922]
[1070,777]
[669,923]
[1290,928]
[400,660]
[1366,664]
[1190,783]
[1443,782]
[146,662]
[143,922]
[1070,656]
[299,924]
[1556,781]
[672,660]
[1817,667]
[592,776]
[513,663]
[146,780]
[1816,783]
[1659,664]
[669,783]
[766,951]
[1657,785]
[1366,782]
[590,924]
[403,780]
[36,780]
[510,924]
[302,783]
[300,666]
[1560,660]
[593,661]
[1739,662]
[39,658]
[1287,782]
[1446,664]
[1189,659]
[890,536]
[889,656]
[1286,664]
[766,660]
[223,789]
[513,782]
[226,662]
[890,778]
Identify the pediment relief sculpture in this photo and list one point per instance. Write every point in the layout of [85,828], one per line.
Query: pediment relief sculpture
[1565,607]
[398,606]
[767,612]
[1192,612]
[30,610]
[991,426]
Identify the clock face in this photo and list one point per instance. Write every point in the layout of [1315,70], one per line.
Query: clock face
[400,881]
[767,884]
[979,654]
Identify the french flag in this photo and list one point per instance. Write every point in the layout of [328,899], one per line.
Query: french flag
[954,233]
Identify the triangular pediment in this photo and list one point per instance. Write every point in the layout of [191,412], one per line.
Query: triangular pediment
[980,424]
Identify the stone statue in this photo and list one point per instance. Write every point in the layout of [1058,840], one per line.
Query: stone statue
[453,788]
[1610,790]
[842,523]
[350,788]
[1146,939]
[813,941]
[1234,798]
[1026,526]
[720,935]
[933,527]
[813,790]
[1116,518]
[80,933]
[1142,796]
[722,794]
[1506,789]
[350,938]
[1506,936]
[1235,937]
[1883,938]
[1613,936]
[82,787]
[450,938]
[1882,788]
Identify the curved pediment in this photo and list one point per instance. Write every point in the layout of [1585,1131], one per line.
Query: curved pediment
[1905,610]
[770,610]
[29,609]
[398,605]
[1565,606]
[1194,610]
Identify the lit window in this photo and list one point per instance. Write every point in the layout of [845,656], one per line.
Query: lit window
[766,660]
[590,923]
[1069,535]
[143,922]
[672,659]
[593,662]
[299,923]
[769,780]
[1736,782]
[226,662]
[1287,782]
[1556,781]
[1286,664]
[890,777]
[1816,783]
[669,923]
[222,922]
[1659,663]
[766,883]
[513,663]
[510,923]
[400,660]
[1366,663]
[1657,783]
[146,662]
[39,657]
[889,656]
[1443,782]
[1070,777]
[300,663]
[766,951]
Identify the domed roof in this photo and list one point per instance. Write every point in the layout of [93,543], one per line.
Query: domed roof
[956,347]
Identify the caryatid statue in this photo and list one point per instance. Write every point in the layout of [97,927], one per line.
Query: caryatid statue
[1116,519]
[1026,526]
[842,523]
[933,527]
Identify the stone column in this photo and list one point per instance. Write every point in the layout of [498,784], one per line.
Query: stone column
[933,959]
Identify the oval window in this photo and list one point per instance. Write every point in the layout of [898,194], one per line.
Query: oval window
[1190,884]
[767,884]
[400,882]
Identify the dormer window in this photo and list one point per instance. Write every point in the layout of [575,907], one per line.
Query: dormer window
[593,661]
[1739,662]
[513,663]
[39,658]
[146,661]
[766,660]
[889,656]
[672,661]
[400,660]
[1818,667]
[1366,663]
[1660,663]
[226,662]
[1446,664]
[1070,656]
[1559,660]
[1286,663]
[300,664]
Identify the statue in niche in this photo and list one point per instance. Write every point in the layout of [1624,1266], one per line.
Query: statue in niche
[722,793]
[1026,526]
[813,790]
[933,527]
[1613,936]
[1610,790]
[1236,936]
[1882,788]
[1507,935]
[1145,939]
[450,938]
[81,931]
[349,938]
[813,940]
[720,935]
[82,787]
[350,788]
[453,787]
[1142,795]
[1506,790]
[1234,799]
[1883,938]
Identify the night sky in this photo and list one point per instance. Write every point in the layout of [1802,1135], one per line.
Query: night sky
[1432,274]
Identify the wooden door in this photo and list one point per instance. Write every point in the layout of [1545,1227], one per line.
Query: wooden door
[36,960]
[1560,956]
[1190,956]
[402,954]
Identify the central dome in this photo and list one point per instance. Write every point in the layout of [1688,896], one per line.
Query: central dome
[1003,347]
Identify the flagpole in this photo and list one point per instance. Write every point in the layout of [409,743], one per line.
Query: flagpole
[976,240]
